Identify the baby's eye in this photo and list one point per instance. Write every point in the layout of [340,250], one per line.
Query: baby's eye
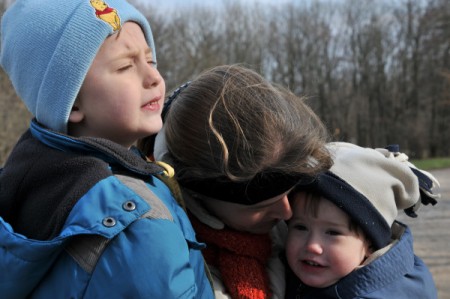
[299,227]
[152,63]
[334,233]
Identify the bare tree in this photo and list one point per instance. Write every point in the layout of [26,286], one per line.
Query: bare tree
[376,72]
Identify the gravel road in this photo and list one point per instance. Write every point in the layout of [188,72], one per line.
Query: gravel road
[431,232]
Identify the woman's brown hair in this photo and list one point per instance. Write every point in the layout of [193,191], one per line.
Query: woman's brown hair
[231,122]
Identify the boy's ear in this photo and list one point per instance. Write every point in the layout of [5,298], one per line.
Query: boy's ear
[76,115]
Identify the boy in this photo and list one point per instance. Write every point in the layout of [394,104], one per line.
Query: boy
[343,240]
[81,214]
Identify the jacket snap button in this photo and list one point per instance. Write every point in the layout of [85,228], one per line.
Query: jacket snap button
[129,206]
[109,221]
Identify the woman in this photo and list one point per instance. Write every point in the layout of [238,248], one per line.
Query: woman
[238,145]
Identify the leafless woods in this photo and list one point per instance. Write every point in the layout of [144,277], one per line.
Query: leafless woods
[376,72]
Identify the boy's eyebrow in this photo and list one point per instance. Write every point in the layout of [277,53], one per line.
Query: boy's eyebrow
[131,52]
[148,50]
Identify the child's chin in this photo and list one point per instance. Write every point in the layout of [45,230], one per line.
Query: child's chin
[315,283]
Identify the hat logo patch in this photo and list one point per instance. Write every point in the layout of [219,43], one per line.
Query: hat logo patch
[106,13]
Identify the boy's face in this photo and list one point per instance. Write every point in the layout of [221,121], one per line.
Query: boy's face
[322,249]
[122,95]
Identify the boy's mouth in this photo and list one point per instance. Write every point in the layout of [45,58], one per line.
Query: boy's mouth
[152,104]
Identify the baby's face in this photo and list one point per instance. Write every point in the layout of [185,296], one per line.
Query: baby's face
[122,95]
[321,248]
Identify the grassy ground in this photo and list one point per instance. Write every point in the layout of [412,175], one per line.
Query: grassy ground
[429,164]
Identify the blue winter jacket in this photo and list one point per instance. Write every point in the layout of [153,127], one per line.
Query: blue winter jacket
[87,218]
[397,274]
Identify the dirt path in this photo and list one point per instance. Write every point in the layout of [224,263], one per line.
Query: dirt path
[431,232]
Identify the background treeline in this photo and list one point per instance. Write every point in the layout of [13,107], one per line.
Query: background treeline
[376,72]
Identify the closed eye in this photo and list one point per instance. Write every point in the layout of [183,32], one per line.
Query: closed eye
[125,68]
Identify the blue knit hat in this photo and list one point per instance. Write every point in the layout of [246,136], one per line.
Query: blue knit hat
[47,47]
[371,185]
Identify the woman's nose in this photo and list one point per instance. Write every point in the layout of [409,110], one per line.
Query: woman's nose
[283,209]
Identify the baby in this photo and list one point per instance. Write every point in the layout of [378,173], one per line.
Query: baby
[343,240]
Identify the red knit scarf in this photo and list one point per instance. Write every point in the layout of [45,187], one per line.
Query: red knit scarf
[240,257]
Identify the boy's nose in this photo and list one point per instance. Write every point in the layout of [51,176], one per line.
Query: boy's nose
[152,77]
